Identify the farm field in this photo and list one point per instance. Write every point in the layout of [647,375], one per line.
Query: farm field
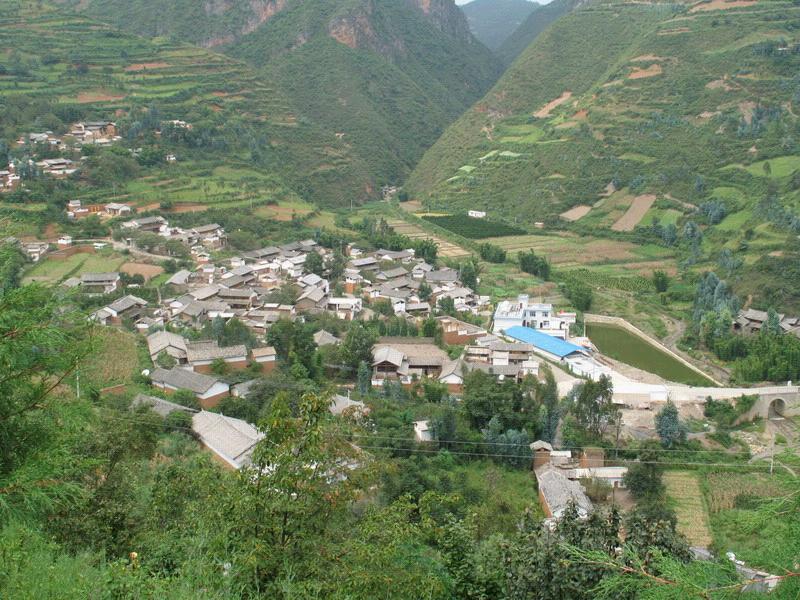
[635,213]
[569,250]
[49,270]
[733,501]
[113,361]
[683,489]
[471,228]
[576,213]
[415,232]
[630,349]
[145,270]
[200,185]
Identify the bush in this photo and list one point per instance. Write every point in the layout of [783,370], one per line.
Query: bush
[178,421]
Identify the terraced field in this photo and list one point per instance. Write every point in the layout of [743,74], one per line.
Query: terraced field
[415,232]
[82,69]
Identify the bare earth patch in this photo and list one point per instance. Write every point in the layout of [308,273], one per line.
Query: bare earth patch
[647,58]
[545,111]
[145,66]
[747,109]
[636,212]
[721,5]
[576,213]
[581,115]
[91,97]
[143,269]
[720,84]
[651,71]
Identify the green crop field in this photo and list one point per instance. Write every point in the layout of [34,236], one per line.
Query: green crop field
[49,270]
[471,228]
[626,347]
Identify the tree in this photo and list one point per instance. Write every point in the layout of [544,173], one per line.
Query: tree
[314,263]
[469,274]
[424,291]
[166,361]
[660,281]
[579,293]
[430,327]
[548,400]
[336,265]
[669,426]
[219,367]
[357,345]
[185,398]
[594,408]
[491,253]
[283,505]
[42,343]
[529,262]
[643,479]
[293,340]
[364,378]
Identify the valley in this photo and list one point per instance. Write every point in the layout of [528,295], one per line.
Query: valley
[400,299]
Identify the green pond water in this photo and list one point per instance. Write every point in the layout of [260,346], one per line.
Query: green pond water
[626,347]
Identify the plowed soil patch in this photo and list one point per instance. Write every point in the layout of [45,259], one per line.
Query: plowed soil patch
[545,111]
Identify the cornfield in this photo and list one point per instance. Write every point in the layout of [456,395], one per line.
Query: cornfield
[723,489]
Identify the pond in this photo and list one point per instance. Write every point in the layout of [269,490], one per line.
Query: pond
[626,347]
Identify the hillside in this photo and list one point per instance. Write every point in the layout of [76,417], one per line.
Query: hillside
[535,23]
[493,21]
[385,77]
[628,119]
[65,67]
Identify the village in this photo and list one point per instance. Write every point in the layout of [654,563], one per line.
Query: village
[445,332]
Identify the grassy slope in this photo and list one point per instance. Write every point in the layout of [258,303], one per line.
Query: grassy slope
[391,97]
[536,22]
[681,134]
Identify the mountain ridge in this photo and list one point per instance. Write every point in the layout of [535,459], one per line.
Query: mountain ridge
[384,77]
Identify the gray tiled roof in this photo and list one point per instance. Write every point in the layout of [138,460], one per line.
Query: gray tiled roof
[210,350]
[159,405]
[184,380]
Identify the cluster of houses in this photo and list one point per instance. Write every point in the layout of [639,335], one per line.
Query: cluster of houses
[9,179]
[76,210]
[559,475]
[750,321]
[406,360]
[96,133]
[201,239]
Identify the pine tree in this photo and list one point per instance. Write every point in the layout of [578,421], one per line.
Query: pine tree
[669,426]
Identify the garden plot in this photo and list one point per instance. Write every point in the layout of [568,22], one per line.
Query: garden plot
[638,209]
[570,250]
[683,488]
[576,213]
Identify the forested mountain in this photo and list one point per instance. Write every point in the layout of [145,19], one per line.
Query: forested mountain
[666,111]
[535,23]
[493,21]
[384,77]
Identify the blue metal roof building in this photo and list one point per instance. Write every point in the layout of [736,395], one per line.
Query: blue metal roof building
[546,343]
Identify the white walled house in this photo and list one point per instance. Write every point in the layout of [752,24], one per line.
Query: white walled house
[540,316]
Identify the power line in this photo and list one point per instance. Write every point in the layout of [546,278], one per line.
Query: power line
[419,450]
